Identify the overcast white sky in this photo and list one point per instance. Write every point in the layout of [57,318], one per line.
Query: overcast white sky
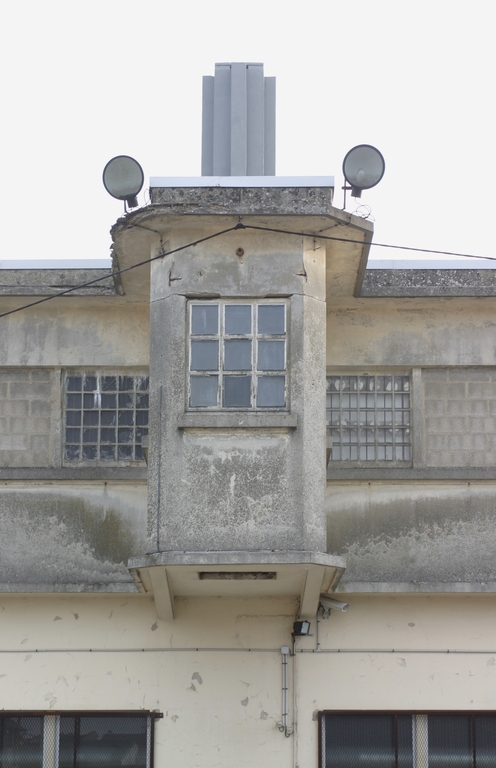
[83,82]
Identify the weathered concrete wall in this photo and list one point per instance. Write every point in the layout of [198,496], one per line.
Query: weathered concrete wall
[416,534]
[76,536]
[29,416]
[81,335]
[460,417]
[411,332]
[229,696]
[238,479]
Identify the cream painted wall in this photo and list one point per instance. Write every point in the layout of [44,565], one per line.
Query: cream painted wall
[221,707]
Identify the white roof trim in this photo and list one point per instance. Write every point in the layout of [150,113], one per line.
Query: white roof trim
[56,264]
[241,181]
[427,263]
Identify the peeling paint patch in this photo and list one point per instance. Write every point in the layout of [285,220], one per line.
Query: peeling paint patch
[263,715]
[244,703]
[192,687]
[154,627]
[401,662]
[28,656]
[52,699]
[197,677]
[24,641]
[491,662]
[76,616]
[174,718]
[58,618]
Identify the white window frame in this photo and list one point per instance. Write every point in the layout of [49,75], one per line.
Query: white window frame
[255,338]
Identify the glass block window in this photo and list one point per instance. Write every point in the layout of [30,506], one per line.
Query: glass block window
[106,415]
[76,741]
[368,417]
[237,355]
[405,740]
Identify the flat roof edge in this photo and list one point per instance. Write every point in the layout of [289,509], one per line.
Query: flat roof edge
[241,181]
[413,283]
[33,264]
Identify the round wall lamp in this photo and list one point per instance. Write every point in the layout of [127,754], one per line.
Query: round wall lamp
[123,178]
[363,168]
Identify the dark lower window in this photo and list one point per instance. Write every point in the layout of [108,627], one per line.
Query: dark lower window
[408,740]
[76,741]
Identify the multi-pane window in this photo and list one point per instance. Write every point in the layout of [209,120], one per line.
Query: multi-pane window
[368,417]
[106,415]
[406,740]
[237,355]
[76,741]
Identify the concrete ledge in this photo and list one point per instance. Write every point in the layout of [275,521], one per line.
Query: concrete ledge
[242,200]
[235,557]
[237,420]
[400,283]
[418,587]
[410,473]
[115,586]
[301,575]
[132,474]
[44,282]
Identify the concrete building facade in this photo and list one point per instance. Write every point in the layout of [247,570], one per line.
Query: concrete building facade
[198,452]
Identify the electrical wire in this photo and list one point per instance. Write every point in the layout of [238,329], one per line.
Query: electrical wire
[239,226]
[117,271]
[376,245]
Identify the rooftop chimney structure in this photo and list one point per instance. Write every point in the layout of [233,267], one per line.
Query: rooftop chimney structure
[239,133]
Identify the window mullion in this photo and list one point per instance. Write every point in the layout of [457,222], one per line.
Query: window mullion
[221,337]
[474,745]
[51,740]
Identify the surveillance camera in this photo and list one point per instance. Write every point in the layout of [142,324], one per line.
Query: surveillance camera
[328,602]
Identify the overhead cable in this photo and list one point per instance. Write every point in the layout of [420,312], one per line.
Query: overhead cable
[239,226]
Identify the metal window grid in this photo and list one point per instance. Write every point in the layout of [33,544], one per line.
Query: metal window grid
[254,337]
[368,417]
[408,740]
[106,416]
[95,740]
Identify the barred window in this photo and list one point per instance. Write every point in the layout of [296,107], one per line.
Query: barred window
[237,355]
[368,417]
[76,741]
[106,416]
[405,740]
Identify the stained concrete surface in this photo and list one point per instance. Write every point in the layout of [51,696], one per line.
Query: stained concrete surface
[77,534]
[398,533]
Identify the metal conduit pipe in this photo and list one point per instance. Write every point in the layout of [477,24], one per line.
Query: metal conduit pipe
[284,724]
